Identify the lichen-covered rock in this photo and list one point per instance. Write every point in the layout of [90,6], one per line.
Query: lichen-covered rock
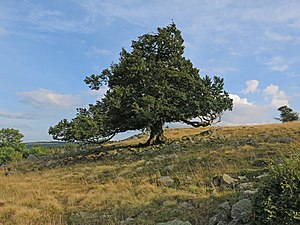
[217,218]
[228,179]
[242,210]
[224,207]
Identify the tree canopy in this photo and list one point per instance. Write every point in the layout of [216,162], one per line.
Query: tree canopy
[287,114]
[11,146]
[152,85]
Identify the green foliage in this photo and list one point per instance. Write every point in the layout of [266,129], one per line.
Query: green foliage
[37,150]
[11,146]
[278,199]
[287,114]
[87,127]
[152,85]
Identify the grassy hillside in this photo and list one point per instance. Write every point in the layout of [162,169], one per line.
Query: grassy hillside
[120,182]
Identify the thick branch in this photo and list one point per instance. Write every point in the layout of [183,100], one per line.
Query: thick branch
[98,140]
[197,123]
[204,121]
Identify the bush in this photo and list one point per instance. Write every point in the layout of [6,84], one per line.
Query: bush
[278,199]
[37,150]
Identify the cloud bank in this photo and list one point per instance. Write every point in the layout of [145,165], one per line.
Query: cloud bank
[43,98]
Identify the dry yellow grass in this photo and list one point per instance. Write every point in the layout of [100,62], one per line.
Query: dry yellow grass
[126,184]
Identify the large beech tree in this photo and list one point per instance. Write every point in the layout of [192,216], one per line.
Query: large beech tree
[152,85]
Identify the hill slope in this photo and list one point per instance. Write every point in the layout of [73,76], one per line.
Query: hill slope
[123,184]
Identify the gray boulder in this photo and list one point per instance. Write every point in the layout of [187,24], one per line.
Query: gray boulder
[216,219]
[242,210]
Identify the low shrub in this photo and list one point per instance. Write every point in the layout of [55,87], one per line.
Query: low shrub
[278,199]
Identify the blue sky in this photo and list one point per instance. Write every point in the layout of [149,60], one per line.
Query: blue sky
[48,47]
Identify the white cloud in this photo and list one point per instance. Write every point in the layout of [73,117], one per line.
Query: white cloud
[277,64]
[245,112]
[237,100]
[43,98]
[279,98]
[251,86]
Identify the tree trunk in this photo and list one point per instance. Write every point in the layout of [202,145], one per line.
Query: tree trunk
[156,135]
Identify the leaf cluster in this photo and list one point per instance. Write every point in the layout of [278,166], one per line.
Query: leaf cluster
[86,127]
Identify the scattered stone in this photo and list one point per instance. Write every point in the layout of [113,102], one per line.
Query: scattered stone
[228,179]
[166,181]
[251,192]
[242,210]
[243,178]
[175,222]
[260,177]
[245,186]
[247,194]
